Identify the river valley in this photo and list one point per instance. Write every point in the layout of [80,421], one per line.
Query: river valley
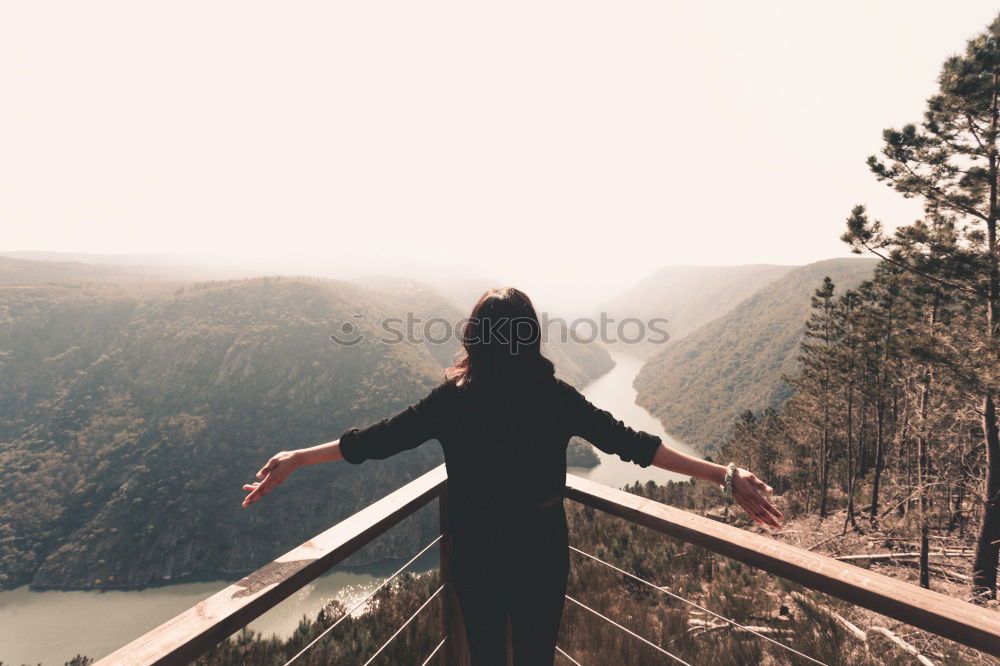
[51,627]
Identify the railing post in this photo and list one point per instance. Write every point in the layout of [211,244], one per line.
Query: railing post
[456,650]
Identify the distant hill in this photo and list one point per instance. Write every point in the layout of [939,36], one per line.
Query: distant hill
[699,385]
[131,417]
[87,266]
[688,296]
[19,272]
[461,288]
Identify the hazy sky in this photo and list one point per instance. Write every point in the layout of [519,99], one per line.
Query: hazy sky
[578,143]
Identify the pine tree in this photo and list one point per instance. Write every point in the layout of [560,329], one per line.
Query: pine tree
[815,383]
[952,163]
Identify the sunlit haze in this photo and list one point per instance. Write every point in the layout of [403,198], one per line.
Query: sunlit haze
[555,146]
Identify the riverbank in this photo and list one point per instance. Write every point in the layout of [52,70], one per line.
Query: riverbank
[52,626]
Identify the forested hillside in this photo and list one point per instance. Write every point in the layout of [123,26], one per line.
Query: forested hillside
[688,297]
[879,432]
[131,415]
[893,420]
[699,385]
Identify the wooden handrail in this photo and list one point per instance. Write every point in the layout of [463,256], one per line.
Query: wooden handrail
[209,622]
[937,613]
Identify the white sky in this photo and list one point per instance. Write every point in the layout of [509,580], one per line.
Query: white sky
[578,144]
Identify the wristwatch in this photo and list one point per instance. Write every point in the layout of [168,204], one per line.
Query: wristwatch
[727,485]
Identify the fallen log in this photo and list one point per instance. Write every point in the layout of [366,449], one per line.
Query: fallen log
[859,633]
[902,645]
[874,557]
[854,629]
[827,540]
[702,627]
[938,568]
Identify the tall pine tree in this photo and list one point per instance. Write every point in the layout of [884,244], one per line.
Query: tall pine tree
[950,161]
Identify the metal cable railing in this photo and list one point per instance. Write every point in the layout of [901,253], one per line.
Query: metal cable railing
[571,659]
[403,626]
[365,600]
[434,652]
[629,631]
[438,647]
[664,590]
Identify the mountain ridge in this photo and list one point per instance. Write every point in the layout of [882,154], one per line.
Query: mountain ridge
[687,296]
[698,385]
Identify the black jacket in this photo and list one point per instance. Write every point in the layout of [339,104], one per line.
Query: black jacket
[504,450]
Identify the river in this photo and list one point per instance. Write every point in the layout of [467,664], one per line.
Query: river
[51,627]
[613,392]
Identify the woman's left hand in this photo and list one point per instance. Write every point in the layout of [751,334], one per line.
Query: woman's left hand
[747,490]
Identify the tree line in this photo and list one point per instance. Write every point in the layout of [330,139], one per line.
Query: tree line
[894,409]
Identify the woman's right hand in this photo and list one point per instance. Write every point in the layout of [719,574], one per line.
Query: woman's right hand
[271,475]
[748,493]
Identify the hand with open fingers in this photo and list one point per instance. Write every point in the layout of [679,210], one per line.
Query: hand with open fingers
[748,493]
[271,475]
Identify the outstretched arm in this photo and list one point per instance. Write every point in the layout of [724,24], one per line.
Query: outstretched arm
[281,465]
[609,434]
[747,488]
[673,460]
[406,430]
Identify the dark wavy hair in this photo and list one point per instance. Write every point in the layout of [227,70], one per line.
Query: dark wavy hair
[501,342]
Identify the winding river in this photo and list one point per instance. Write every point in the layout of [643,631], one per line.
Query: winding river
[51,627]
[613,392]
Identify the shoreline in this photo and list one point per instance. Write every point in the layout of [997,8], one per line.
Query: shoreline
[225,577]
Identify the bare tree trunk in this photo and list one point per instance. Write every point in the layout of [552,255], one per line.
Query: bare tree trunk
[849,520]
[957,519]
[825,455]
[925,568]
[880,408]
[879,456]
[824,474]
[922,457]
[984,574]
[925,575]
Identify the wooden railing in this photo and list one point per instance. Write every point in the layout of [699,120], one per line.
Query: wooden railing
[960,621]
[182,639]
